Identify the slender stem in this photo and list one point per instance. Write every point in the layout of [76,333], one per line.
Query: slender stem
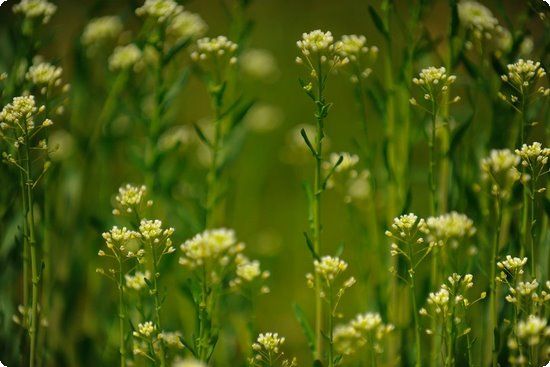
[532,232]
[212,180]
[412,286]
[331,329]
[493,304]
[121,314]
[154,126]
[157,302]
[25,246]
[202,346]
[431,144]
[35,277]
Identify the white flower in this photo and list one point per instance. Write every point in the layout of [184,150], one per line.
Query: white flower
[189,362]
[137,281]
[162,10]
[476,16]
[101,29]
[125,57]
[532,329]
[36,9]
[316,41]
[329,267]
[450,227]
[44,74]
[259,64]
[186,25]
[209,245]
[20,110]
[130,195]
[145,329]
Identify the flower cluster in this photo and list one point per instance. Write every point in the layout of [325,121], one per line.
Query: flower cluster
[189,362]
[534,158]
[364,330]
[266,352]
[259,64]
[433,82]
[523,77]
[327,270]
[44,76]
[160,10]
[121,243]
[36,9]
[130,199]
[360,56]
[499,169]
[186,25]
[125,57]
[215,56]
[152,233]
[18,128]
[449,228]
[477,17]
[101,29]
[137,281]
[408,230]
[531,337]
[522,293]
[319,54]
[449,305]
[249,271]
[211,246]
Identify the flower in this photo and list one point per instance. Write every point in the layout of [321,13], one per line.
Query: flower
[263,118]
[215,56]
[266,350]
[20,110]
[36,9]
[137,281]
[145,329]
[476,16]
[366,328]
[513,265]
[532,329]
[500,169]
[259,64]
[125,57]
[189,362]
[452,226]
[119,236]
[408,228]
[209,246]
[186,25]
[316,41]
[171,339]
[534,158]
[348,161]
[130,198]
[161,10]
[433,83]
[329,267]
[523,77]
[101,29]
[44,75]
[354,48]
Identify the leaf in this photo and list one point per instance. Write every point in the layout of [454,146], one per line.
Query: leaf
[201,135]
[311,247]
[176,87]
[378,23]
[340,249]
[308,142]
[306,328]
[454,18]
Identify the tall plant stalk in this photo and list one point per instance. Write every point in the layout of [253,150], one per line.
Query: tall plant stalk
[493,305]
[121,314]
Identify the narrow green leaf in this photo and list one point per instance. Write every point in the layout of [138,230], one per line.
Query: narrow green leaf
[306,327]
[378,23]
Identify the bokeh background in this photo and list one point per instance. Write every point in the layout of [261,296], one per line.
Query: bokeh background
[265,201]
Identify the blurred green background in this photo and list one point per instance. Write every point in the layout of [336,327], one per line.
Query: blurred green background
[265,201]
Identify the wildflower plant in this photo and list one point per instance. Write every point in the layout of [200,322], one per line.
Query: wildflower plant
[22,126]
[142,247]
[215,264]
[408,233]
[365,331]
[328,281]
[434,83]
[319,55]
[449,307]
[266,352]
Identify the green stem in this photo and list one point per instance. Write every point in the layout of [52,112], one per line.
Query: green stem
[431,177]
[212,179]
[412,285]
[493,304]
[532,233]
[157,302]
[121,314]
[35,277]
[151,153]
[331,329]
